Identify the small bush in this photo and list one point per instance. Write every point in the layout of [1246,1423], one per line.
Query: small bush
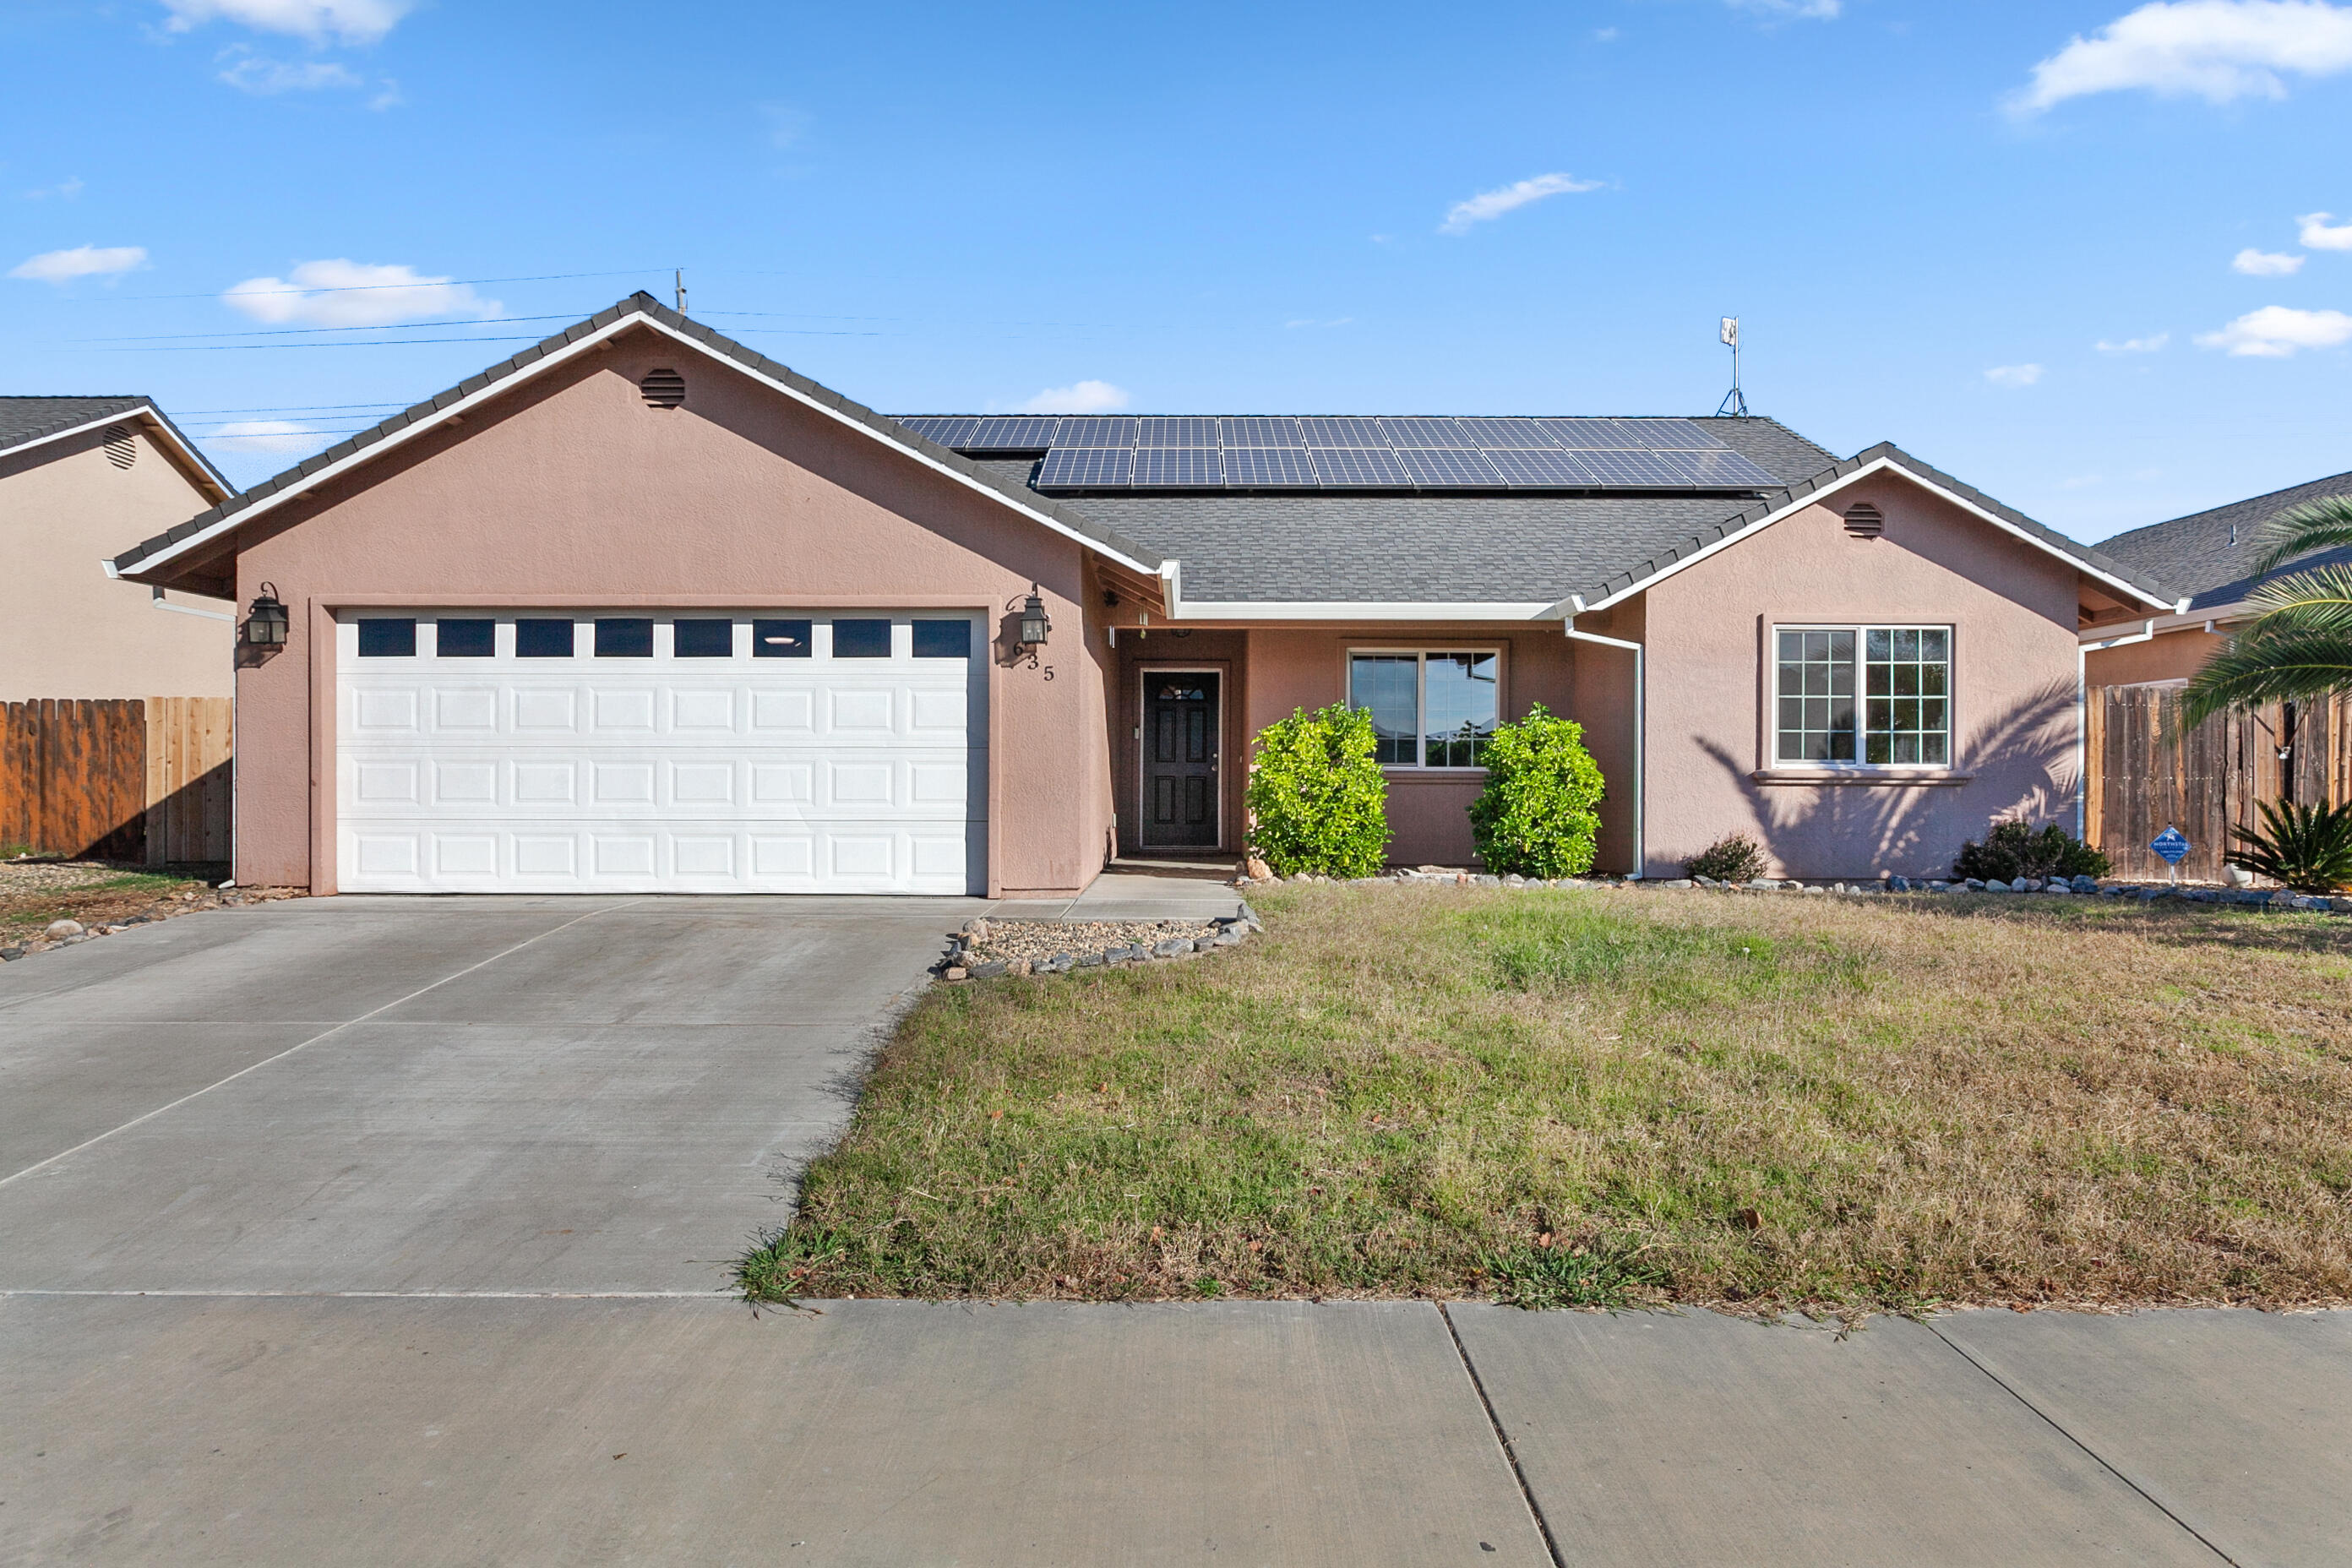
[2012,850]
[1318,800]
[2307,848]
[1734,858]
[1535,815]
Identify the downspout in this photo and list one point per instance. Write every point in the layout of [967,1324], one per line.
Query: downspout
[2083,652]
[1641,730]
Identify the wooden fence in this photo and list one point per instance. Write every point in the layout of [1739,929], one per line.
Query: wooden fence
[2147,773]
[138,780]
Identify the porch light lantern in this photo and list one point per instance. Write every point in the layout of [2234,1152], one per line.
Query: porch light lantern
[1034,623]
[266,622]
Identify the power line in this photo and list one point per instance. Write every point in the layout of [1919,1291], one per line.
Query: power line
[366,288]
[400,342]
[303,332]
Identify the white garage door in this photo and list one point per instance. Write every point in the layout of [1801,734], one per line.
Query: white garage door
[785,753]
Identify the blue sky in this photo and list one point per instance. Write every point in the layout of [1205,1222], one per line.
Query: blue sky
[1930,217]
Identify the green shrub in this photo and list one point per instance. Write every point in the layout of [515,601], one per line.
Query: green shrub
[1318,800]
[1535,815]
[1734,858]
[2307,848]
[2012,850]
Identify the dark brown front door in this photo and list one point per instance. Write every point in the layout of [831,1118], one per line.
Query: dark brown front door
[1180,759]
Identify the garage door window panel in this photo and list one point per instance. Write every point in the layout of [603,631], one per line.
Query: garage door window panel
[387,638]
[466,638]
[782,639]
[702,638]
[630,636]
[861,638]
[536,639]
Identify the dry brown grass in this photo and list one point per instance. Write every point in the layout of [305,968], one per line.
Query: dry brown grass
[1751,1101]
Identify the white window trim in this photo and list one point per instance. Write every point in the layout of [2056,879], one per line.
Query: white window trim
[1862,718]
[1421,653]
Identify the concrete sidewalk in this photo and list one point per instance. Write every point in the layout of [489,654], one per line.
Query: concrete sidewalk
[212,1428]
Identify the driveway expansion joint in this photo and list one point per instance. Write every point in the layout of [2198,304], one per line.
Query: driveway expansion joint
[1502,1439]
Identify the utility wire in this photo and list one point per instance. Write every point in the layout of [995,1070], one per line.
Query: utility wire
[368,287]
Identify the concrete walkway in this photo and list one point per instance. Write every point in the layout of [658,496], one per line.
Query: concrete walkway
[393,1231]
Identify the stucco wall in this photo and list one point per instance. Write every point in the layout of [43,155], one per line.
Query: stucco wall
[2013,611]
[1428,811]
[2169,656]
[70,630]
[574,493]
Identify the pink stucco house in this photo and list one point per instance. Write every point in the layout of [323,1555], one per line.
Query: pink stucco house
[640,609]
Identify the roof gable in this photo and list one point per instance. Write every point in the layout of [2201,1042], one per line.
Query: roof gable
[28,422]
[153,560]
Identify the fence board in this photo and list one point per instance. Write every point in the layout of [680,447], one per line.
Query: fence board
[2148,773]
[73,777]
[189,798]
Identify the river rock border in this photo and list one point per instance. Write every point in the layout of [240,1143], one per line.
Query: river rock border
[72,932]
[2281,899]
[1225,931]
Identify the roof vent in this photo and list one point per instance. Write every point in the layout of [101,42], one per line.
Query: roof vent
[120,449]
[663,388]
[1865,521]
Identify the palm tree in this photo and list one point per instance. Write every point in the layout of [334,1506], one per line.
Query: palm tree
[2300,646]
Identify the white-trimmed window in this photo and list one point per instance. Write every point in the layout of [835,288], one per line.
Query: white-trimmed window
[1863,696]
[1430,709]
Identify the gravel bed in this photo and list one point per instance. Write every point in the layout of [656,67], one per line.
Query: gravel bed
[22,877]
[984,949]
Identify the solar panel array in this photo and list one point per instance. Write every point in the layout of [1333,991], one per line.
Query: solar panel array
[1352,452]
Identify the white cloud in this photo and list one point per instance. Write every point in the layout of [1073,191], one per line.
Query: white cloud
[353,294]
[1604,34]
[265,77]
[2276,332]
[2318,236]
[266,435]
[319,21]
[2265,263]
[66,190]
[2146,345]
[2218,50]
[387,96]
[1489,205]
[1079,397]
[81,261]
[1803,10]
[2014,374]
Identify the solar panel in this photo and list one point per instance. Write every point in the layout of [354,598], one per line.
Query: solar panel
[1018,433]
[1097,430]
[1632,436]
[1722,468]
[1424,433]
[947,429]
[1190,431]
[1507,434]
[1087,467]
[1261,432]
[1343,431]
[1358,468]
[1175,465]
[1270,466]
[1541,470]
[1454,469]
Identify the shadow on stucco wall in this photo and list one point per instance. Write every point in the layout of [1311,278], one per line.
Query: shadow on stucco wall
[2026,763]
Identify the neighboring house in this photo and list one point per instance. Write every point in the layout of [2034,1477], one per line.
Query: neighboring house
[77,476]
[2211,556]
[640,609]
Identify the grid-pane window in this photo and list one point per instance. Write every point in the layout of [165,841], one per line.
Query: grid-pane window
[1428,709]
[1817,697]
[1874,695]
[1908,685]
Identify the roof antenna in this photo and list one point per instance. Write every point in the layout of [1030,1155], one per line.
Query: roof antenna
[1733,403]
[681,290]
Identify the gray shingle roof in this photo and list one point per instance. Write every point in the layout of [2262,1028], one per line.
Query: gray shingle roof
[2212,554]
[635,304]
[23,419]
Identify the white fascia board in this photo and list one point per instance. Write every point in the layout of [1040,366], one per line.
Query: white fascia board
[1876,466]
[1371,610]
[148,419]
[2238,610]
[573,350]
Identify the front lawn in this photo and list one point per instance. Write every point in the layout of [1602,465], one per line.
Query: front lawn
[1558,1097]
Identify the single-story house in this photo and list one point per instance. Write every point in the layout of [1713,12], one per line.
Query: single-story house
[642,609]
[2214,558]
[77,477]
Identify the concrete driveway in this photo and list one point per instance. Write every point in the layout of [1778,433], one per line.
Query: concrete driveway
[531,1095]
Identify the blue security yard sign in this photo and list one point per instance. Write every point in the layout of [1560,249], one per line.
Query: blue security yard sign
[2171,846]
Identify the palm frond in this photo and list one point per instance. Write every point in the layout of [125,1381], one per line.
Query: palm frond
[2274,660]
[2315,525]
[2316,598]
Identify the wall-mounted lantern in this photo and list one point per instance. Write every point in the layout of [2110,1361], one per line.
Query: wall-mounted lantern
[264,623]
[1034,623]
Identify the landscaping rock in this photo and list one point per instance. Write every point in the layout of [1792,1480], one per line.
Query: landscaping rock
[1258,870]
[1683,882]
[59,930]
[989,970]
[2085,884]
[956,972]
[2237,877]
[1171,947]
